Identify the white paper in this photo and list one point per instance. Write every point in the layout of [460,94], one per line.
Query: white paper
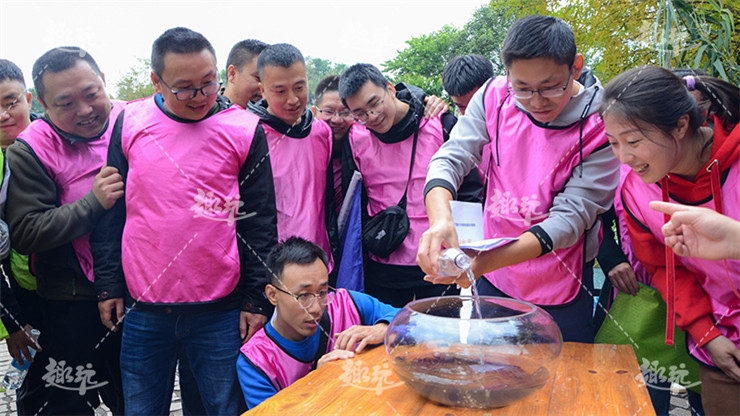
[468,219]
[490,244]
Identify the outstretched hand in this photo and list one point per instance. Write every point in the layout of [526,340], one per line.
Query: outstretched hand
[699,232]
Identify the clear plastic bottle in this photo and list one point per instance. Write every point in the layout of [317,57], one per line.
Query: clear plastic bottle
[16,373]
[453,262]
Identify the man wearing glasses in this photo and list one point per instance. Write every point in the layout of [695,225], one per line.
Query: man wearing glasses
[22,304]
[312,323]
[184,249]
[390,124]
[550,174]
[58,190]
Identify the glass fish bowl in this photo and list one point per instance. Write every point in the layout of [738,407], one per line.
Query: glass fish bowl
[441,349]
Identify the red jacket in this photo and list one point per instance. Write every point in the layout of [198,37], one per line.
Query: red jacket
[692,304]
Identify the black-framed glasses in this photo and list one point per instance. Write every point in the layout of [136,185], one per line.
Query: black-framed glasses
[190,93]
[545,93]
[8,107]
[346,114]
[375,109]
[306,299]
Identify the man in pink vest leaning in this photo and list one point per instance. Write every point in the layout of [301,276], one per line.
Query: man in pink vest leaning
[550,174]
[311,324]
[58,190]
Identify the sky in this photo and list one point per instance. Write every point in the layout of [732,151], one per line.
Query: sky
[116,33]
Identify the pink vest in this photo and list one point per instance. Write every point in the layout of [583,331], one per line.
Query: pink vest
[534,165]
[624,234]
[282,368]
[182,202]
[710,274]
[72,167]
[385,170]
[299,169]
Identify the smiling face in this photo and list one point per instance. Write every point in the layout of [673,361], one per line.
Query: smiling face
[244,84]
[286,91]
[75,100]
[542,74]
[379,103]
[293,321]
[187,70]
[649,151]
[16,119]
[330,101]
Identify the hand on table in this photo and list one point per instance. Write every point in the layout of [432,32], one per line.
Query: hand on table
[360,335]
[333,356]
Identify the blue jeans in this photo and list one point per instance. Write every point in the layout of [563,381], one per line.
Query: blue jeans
[153,343]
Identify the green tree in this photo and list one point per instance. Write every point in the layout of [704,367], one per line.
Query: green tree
[615,35]
[35,105]
[136,83]
[421,63]
[317,69]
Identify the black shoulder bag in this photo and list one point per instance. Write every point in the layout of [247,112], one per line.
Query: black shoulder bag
[384,232]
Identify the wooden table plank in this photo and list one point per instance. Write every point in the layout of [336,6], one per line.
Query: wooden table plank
[591,379]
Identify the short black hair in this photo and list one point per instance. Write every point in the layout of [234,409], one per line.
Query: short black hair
[294,250]
[280,54]
[466,73]
[539,37]
[10,72]
[243,52]
[177,40]
[355,77]
[328,84]
[57,60]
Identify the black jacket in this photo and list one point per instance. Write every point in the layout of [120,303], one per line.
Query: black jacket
[299,131]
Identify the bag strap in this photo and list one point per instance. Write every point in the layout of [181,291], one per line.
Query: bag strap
[324,328]
[402,202]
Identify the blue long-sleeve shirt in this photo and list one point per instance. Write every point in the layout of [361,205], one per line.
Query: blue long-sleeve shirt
[255,385]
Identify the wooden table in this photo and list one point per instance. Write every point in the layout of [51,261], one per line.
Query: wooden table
[591,379]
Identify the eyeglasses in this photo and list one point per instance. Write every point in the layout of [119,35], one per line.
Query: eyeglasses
[375,109]
[7,108]
[546,93]
[330,114]
[190,93]
[306,299]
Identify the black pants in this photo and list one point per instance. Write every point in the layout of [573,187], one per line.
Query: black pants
[29,303]
[574,318]
[79,363]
